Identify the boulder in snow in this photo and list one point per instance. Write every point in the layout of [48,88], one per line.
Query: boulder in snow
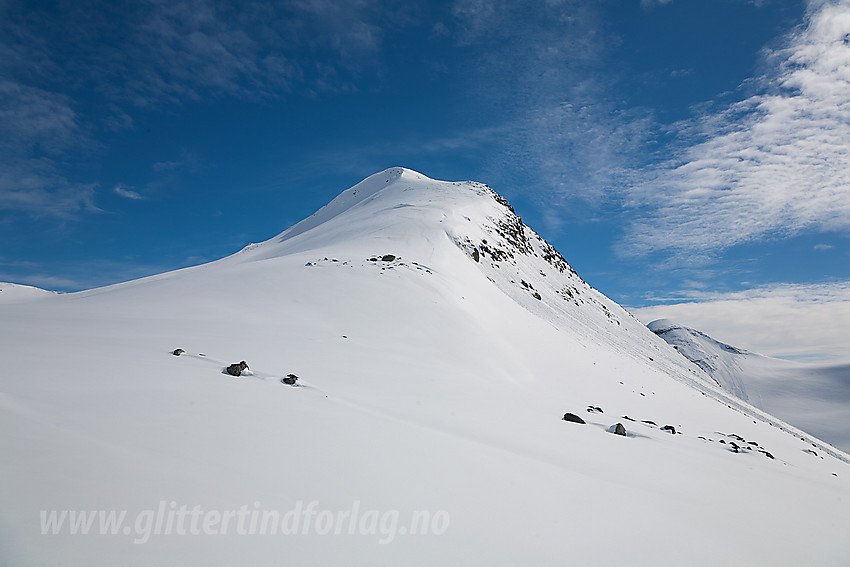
[617,429]
[237,368]
[573,417]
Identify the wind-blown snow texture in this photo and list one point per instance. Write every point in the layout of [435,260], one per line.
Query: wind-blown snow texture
[815,398]
[439,342]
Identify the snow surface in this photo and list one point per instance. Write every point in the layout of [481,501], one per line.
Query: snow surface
[813,397]
[435,380]
[17,293]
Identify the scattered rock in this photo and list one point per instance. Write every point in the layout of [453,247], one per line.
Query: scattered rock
[177,351]
[536,296]
[573,417]
[290,379]
[649,421]
[593,409]
[237,369]
[669,428]
[768,455]
[387,258]
[475,255]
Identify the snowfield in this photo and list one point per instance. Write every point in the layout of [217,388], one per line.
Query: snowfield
[438,344]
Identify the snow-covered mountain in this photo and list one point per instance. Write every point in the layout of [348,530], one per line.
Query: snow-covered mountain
[17,293]
[439,344]
[813,397]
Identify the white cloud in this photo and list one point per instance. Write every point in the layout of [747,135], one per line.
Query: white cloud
[126,192]
[773,165]
[802,321]
[35,187]
[653,3]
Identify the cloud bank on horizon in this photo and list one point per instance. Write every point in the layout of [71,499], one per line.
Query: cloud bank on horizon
[807,323]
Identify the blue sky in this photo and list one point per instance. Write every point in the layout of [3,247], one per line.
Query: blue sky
[688,158]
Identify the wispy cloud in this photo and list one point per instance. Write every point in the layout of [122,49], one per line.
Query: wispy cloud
[785,320]
[771,166]
[545,73]
[156,54]
[36,127]
[126,192]
[653,3]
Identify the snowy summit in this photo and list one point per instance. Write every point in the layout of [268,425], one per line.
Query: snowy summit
[443,361]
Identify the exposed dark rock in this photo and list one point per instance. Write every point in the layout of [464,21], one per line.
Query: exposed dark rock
[669,428]
[177,351]
[536,296]
[387,258]
[768,455]
[619,429]
[475,255]
[573,417]
[237,368]
[372,259]
[649,421]
[290,379]
[592,409]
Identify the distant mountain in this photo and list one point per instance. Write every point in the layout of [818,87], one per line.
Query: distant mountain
[815,398]
[17,293]
[439,345]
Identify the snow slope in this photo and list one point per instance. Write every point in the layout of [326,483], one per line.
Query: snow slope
[438,343]
[815,398]
[17,293]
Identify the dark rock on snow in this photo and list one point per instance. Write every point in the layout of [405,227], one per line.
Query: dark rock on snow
[177,351]
[387,258]
[619,430]
[669,428]
[290,379]
[236,369]
[573,417]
